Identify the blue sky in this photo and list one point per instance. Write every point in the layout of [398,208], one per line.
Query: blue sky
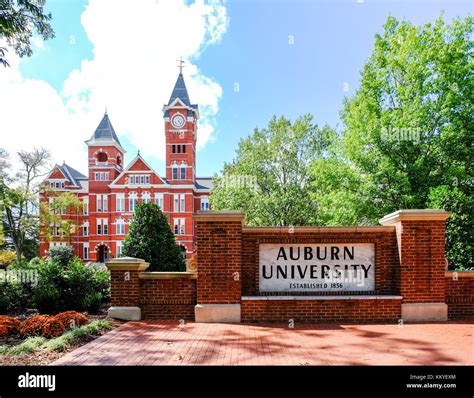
[332,40]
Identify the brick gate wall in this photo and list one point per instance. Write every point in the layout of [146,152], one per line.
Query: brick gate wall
[171,298]
[409,270]
[348,311]
[274,306]
[460,294]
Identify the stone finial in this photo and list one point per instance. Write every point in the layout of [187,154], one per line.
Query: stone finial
[191,264]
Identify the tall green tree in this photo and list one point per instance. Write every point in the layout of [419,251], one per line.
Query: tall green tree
[339,192]
[408,128]
[459,227]
[19,20]
[269,180]
[150,238]
[19,201]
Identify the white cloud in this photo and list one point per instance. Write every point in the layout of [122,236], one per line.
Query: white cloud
[132,72]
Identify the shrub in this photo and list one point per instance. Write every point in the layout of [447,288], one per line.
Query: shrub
[8,293]
[74,287]
[15,296]
[150,238]
[6,258]
[92,301]
[9,325]
[47,294]
[53,328]
[86,288]
[62,255]
[43,325]
[22,264]
[34,326]
[71,319]
[35,262]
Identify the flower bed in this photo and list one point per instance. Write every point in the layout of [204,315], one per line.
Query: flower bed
[9,325]
[42,325]
[36,340]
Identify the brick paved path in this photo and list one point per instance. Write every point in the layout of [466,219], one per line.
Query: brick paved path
[166,343]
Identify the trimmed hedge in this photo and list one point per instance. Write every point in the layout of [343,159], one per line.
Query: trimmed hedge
[9,325]
[71,319]
[51,326]
[42,325]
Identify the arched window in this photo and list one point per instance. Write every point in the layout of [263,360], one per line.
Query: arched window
[132,201]
[146,197]
[175,171]
[85,228]
[119,160]
[183,171]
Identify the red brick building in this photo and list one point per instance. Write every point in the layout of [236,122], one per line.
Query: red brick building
[110,192]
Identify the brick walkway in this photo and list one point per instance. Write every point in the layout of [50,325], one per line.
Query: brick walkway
[166,343]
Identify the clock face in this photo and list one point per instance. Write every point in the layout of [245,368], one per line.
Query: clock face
[178,121]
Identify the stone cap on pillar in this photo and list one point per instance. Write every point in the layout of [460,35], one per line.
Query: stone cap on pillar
[415,215]
[219,215]
[127,264]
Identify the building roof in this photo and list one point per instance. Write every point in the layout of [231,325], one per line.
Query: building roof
[105,131]
[73,175]
[204,183]
[76,178]
[180,92]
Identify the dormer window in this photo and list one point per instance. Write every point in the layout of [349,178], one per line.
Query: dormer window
[56,184]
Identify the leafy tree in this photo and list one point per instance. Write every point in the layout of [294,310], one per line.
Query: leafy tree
[61,212]
[19,201]
[4,163]
[408,128]
[339,192]
[270,180]
[18,21]
[6,258]
[150,238]
[459,227]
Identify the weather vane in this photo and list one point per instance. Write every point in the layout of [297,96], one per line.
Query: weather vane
[181,64]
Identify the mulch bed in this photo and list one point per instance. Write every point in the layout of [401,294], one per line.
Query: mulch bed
[41,356]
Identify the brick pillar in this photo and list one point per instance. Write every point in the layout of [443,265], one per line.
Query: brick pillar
[219,252]
[421,250]
[125,287]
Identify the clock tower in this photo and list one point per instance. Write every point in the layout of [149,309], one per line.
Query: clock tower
[180,117]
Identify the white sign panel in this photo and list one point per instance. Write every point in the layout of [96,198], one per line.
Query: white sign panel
[317,267]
